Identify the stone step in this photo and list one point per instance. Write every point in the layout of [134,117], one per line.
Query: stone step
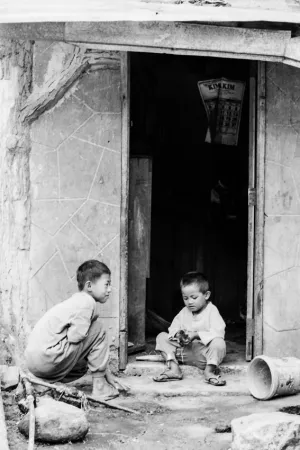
[139,377]
[151,368]
[190,385]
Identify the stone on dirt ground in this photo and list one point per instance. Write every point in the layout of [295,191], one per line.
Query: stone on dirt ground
[271,431]
[56,422]
[9,376]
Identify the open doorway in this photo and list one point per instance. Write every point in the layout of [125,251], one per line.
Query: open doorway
[198,193]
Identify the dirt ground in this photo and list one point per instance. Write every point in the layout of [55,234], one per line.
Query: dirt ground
[165,422]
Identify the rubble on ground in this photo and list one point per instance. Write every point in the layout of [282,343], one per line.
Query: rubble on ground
[268,431]
[9,376]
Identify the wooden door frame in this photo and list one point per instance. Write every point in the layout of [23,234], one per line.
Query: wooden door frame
[251,210]
[259,210]
[257,138]
[256,198]
[125,142]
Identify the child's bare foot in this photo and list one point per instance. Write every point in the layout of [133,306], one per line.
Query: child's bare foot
[102,390]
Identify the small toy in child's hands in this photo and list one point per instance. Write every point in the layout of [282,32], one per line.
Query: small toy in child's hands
[182,338]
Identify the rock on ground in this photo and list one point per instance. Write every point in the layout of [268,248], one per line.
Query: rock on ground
[56,422]
[269,431]
[9,376]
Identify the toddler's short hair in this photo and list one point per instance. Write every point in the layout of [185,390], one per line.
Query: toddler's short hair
[90,271]
[197,278]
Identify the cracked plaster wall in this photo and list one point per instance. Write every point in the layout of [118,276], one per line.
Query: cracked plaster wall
[75,168]
[281,313]
[15,82]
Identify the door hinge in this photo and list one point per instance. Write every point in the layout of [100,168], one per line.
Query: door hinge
[251,196]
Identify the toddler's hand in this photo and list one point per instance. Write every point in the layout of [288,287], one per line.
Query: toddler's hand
[183,338]
[192,335]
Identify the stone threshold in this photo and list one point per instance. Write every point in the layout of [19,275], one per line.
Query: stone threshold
[151,367]
[139,377]
[188,386]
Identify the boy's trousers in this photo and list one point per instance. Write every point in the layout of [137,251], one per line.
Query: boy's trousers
[195,353]
[71,361]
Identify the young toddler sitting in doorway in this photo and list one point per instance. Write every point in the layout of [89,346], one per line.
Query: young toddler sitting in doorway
[69,339]
[196,335]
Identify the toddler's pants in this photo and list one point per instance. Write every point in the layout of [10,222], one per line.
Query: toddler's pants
[195,353]
[71,364]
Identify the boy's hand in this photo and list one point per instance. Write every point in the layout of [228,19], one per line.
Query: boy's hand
[192,335]
[111,379]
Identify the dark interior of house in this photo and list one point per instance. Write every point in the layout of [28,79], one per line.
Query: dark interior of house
[190,228]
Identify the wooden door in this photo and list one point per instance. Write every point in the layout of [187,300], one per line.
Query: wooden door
[140,188]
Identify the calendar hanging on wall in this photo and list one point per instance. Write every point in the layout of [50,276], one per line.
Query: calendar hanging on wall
[223,100]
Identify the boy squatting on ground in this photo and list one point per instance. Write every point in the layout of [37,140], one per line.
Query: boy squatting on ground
[69,339]
[203,324]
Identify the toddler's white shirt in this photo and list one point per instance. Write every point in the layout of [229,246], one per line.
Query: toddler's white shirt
[208,323]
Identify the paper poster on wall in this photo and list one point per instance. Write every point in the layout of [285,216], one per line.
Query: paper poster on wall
[223,100]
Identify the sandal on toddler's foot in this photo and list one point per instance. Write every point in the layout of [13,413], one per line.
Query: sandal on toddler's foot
[167,375]
[215,381]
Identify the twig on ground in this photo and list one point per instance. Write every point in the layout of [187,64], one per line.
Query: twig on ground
[76,393]
[13,347]
[31,404]
[3,429]
[114,406]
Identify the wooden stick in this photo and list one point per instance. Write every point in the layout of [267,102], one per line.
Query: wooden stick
[30,399]
[31,436]
[3,429]
[114,406]
[80,394]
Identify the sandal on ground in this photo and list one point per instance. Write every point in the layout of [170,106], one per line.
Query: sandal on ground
[215,381]
[167,375]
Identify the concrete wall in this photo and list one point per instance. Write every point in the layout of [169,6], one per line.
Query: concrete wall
[75,169]
[281,332]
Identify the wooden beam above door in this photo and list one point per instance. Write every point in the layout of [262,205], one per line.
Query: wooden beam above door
[166,37]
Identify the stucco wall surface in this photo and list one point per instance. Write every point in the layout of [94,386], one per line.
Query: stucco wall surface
[75,169]
[281,312]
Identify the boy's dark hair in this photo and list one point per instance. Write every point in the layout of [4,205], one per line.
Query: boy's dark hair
[90,271]
[197,278]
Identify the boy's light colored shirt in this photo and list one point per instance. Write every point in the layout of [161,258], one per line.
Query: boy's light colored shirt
[208,323]
[68,321]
